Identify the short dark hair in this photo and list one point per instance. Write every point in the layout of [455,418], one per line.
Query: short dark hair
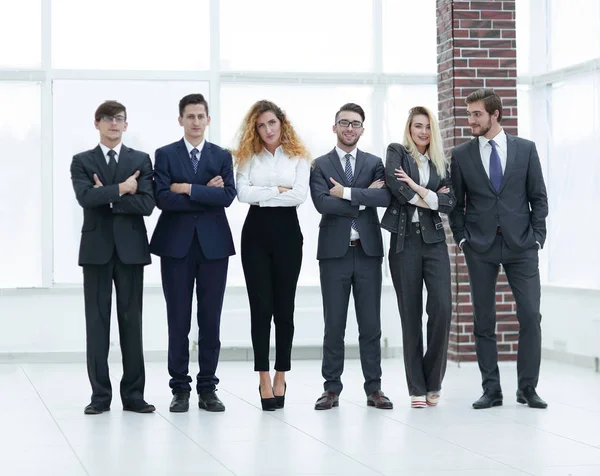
[192,99]
[490,98]
[109,108]
[352,108]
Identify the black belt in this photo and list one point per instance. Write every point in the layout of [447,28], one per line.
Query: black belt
[354,243]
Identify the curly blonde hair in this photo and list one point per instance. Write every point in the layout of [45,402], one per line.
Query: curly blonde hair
[250,143]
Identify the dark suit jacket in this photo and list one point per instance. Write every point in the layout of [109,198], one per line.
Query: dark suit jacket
[202,212]
[399,214]
[122,225]
[337,213]
[520,208]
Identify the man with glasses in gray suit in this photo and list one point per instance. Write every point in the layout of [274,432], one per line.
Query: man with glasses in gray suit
[347,185]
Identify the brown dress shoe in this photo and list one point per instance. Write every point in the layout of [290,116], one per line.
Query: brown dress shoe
[378,400]
[327,401]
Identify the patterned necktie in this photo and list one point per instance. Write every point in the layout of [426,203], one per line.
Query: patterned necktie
[495,167]
[112,164]
[195,160]
[350,178]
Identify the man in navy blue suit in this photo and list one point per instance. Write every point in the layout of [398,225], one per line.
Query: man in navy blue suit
[193,184]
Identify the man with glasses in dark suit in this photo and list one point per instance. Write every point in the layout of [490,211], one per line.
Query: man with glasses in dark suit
[113,185]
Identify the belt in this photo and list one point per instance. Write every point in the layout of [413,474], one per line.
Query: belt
[354,243]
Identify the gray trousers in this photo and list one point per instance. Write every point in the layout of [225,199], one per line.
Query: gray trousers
[523,274]
[360,273]
[422,262]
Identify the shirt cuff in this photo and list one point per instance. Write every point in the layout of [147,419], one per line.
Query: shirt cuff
[415,199]
[539,246]
[431,199]
[347,194]
[460,245]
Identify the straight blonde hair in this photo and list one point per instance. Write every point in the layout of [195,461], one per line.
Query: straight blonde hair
[434,149]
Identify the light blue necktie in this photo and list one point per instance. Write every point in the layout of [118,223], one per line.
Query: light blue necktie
[195,160]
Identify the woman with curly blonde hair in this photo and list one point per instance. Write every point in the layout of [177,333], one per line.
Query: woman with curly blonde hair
[273,170]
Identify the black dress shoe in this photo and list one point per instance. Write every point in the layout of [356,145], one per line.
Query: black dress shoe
[208,400]
[139,406]
[327,401]
[529,396]
[281,398]
[489,399]
[267,404]
[378,400]
[95,408]
[180,402]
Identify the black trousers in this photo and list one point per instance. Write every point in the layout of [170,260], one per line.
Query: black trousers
[178,279]
[360,273]
[97,292]
[429,263]
[271,258]
[522,272]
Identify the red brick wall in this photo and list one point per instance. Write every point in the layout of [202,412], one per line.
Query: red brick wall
[476,49]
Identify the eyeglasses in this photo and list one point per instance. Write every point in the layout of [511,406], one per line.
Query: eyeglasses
[346,123]
[117,119]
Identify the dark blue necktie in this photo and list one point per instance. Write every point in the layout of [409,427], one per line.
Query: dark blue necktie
[194,157]
[495,167]
[350,178]
[112,164]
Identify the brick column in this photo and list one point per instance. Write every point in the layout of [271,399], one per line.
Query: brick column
[476,49]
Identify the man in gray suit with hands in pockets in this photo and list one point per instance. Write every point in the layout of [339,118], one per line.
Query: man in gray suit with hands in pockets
[347,185]
[500,219]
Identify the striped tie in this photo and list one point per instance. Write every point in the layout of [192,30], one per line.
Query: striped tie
[350,178]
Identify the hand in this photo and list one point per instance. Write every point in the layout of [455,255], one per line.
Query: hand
[337,190]
[444,190]
[181,188]
[97,182]
[401,176]
[377,184]
[130,185]
[283,189]
[216,182]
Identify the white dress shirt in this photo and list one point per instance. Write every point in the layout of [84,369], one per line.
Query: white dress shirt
[106,150]
[431,198]
[257,181]
[347,190]
[485,150]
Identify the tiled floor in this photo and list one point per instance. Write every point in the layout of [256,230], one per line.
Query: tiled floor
[43,430]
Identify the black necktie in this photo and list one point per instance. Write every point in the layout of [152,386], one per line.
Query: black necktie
[112,164]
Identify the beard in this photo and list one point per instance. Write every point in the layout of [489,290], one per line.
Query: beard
[483,129]
[346,142]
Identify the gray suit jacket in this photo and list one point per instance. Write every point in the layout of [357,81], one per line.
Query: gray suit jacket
[337,213]
[520,208]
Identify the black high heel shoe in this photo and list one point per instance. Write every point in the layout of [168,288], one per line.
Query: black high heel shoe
[268,404]
[281,399]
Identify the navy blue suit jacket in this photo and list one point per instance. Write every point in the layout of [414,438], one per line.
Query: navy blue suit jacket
[202,212]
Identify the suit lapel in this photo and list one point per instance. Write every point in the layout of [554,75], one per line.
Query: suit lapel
[360,161]
[511,155]
[205,157]
[183,155]
[478,164]
[100,160]
[337,165]
[123,164]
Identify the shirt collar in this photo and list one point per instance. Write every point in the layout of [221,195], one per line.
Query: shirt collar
[190,147]
[342,153]
[116,148]
[500,140]
[278,151]
[423,158]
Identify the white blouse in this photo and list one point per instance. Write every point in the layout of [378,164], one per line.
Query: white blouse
[257,180]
